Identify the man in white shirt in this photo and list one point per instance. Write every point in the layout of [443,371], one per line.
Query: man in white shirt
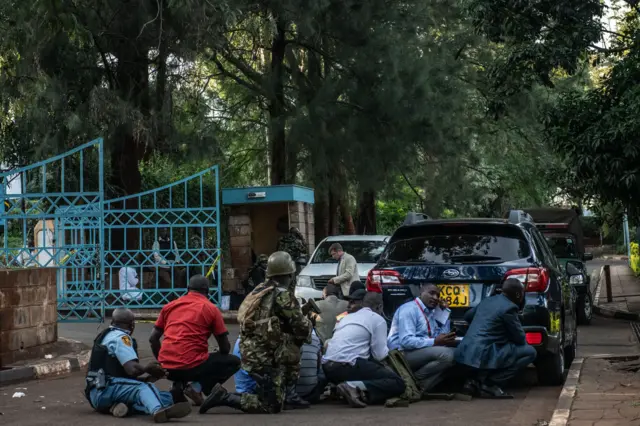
[354,354]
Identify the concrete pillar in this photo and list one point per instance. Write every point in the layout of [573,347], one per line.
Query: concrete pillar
[239,246]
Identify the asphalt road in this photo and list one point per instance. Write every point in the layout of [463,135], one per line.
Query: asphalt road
[61,401]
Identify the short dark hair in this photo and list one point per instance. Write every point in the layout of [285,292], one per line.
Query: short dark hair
[199,283]
[335,247]
[356,285]
[333,290]
[372,300]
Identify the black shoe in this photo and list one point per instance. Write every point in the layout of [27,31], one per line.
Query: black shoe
[219,397]
[177,392]
[471,387]
[493,392]
[293,401]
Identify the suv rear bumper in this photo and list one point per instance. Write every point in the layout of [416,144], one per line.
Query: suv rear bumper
[550,342]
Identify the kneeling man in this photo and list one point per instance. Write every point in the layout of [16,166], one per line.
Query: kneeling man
[427,345]
[495,345]
[354,354]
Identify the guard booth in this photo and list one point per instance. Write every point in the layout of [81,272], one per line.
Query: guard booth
[258,217]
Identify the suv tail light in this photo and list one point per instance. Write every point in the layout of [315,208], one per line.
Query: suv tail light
[379,277]
[534,338]
[534,279]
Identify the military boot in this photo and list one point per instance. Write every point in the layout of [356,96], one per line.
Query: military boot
[293,401]
[219,397]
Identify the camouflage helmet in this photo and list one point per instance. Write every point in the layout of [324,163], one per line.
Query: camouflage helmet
[263,258]
[280,263]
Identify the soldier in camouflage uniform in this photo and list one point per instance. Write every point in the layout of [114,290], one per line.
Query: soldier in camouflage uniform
[272,330]
[256,274]
[294,244]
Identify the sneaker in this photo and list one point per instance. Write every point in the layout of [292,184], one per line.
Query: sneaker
[351,395]
[176,411]
[194,396]
[119,410]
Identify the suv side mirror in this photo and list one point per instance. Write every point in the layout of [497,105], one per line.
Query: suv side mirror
[576,277]
[587,257]
[301,261]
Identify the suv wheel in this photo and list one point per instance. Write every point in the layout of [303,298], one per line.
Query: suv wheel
[551,368]
[585,312]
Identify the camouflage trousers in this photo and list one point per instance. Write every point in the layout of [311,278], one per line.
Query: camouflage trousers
[272,383]
[269,394]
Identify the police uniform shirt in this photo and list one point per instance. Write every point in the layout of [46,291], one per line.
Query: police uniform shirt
[120,345]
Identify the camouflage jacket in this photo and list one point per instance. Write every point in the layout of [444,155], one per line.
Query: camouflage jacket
[274,321]
[292,245]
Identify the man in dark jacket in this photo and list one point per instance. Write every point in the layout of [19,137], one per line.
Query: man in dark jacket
[495,345]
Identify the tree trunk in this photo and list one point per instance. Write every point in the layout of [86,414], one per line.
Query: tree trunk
[334,220]
[132,77]
[367,213]
[321,215]
[162,120]
[347,219]
[277,134]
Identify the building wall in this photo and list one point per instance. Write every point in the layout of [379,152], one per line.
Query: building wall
[301,216]
[28,313]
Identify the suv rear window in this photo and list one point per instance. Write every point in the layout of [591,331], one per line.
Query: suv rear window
[458,243]
[363,251]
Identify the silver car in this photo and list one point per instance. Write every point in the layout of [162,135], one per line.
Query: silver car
[322,267]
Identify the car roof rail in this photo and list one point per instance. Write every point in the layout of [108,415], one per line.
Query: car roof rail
[519,216]
[414,217]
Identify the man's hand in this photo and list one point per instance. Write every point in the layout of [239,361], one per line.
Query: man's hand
[155,370]
[444,304]
[448,339]
[330,281]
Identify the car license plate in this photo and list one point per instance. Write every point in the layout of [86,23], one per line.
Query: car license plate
[457,296]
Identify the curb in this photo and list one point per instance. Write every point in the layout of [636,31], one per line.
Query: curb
[64,365]
[607,312]
[562,412]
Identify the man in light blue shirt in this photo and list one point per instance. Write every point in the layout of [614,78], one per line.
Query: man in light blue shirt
[117,383]
[428,345]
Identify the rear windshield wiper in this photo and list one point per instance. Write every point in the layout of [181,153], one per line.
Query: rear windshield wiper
[407,262]
[473,258]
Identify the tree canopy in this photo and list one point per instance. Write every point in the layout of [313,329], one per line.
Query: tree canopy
[464,107]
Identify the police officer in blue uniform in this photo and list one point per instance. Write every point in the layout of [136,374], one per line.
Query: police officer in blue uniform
[118,384]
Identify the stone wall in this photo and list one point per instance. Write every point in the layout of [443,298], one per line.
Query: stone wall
[28,313]
[301,216]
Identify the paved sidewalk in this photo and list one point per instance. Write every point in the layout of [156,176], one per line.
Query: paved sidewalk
[625,288]
[606,396]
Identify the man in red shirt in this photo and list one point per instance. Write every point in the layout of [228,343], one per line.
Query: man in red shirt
[187,323]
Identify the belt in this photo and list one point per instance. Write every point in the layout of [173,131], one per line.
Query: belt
[343,364]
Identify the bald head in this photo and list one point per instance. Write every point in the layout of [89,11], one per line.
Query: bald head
[373,301]
[199,283]
[123,318]
[514,290]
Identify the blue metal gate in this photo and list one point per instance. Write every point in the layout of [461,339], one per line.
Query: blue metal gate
[156,240]
[54,219]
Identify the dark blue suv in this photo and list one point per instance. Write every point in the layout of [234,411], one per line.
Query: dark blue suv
[469,259]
